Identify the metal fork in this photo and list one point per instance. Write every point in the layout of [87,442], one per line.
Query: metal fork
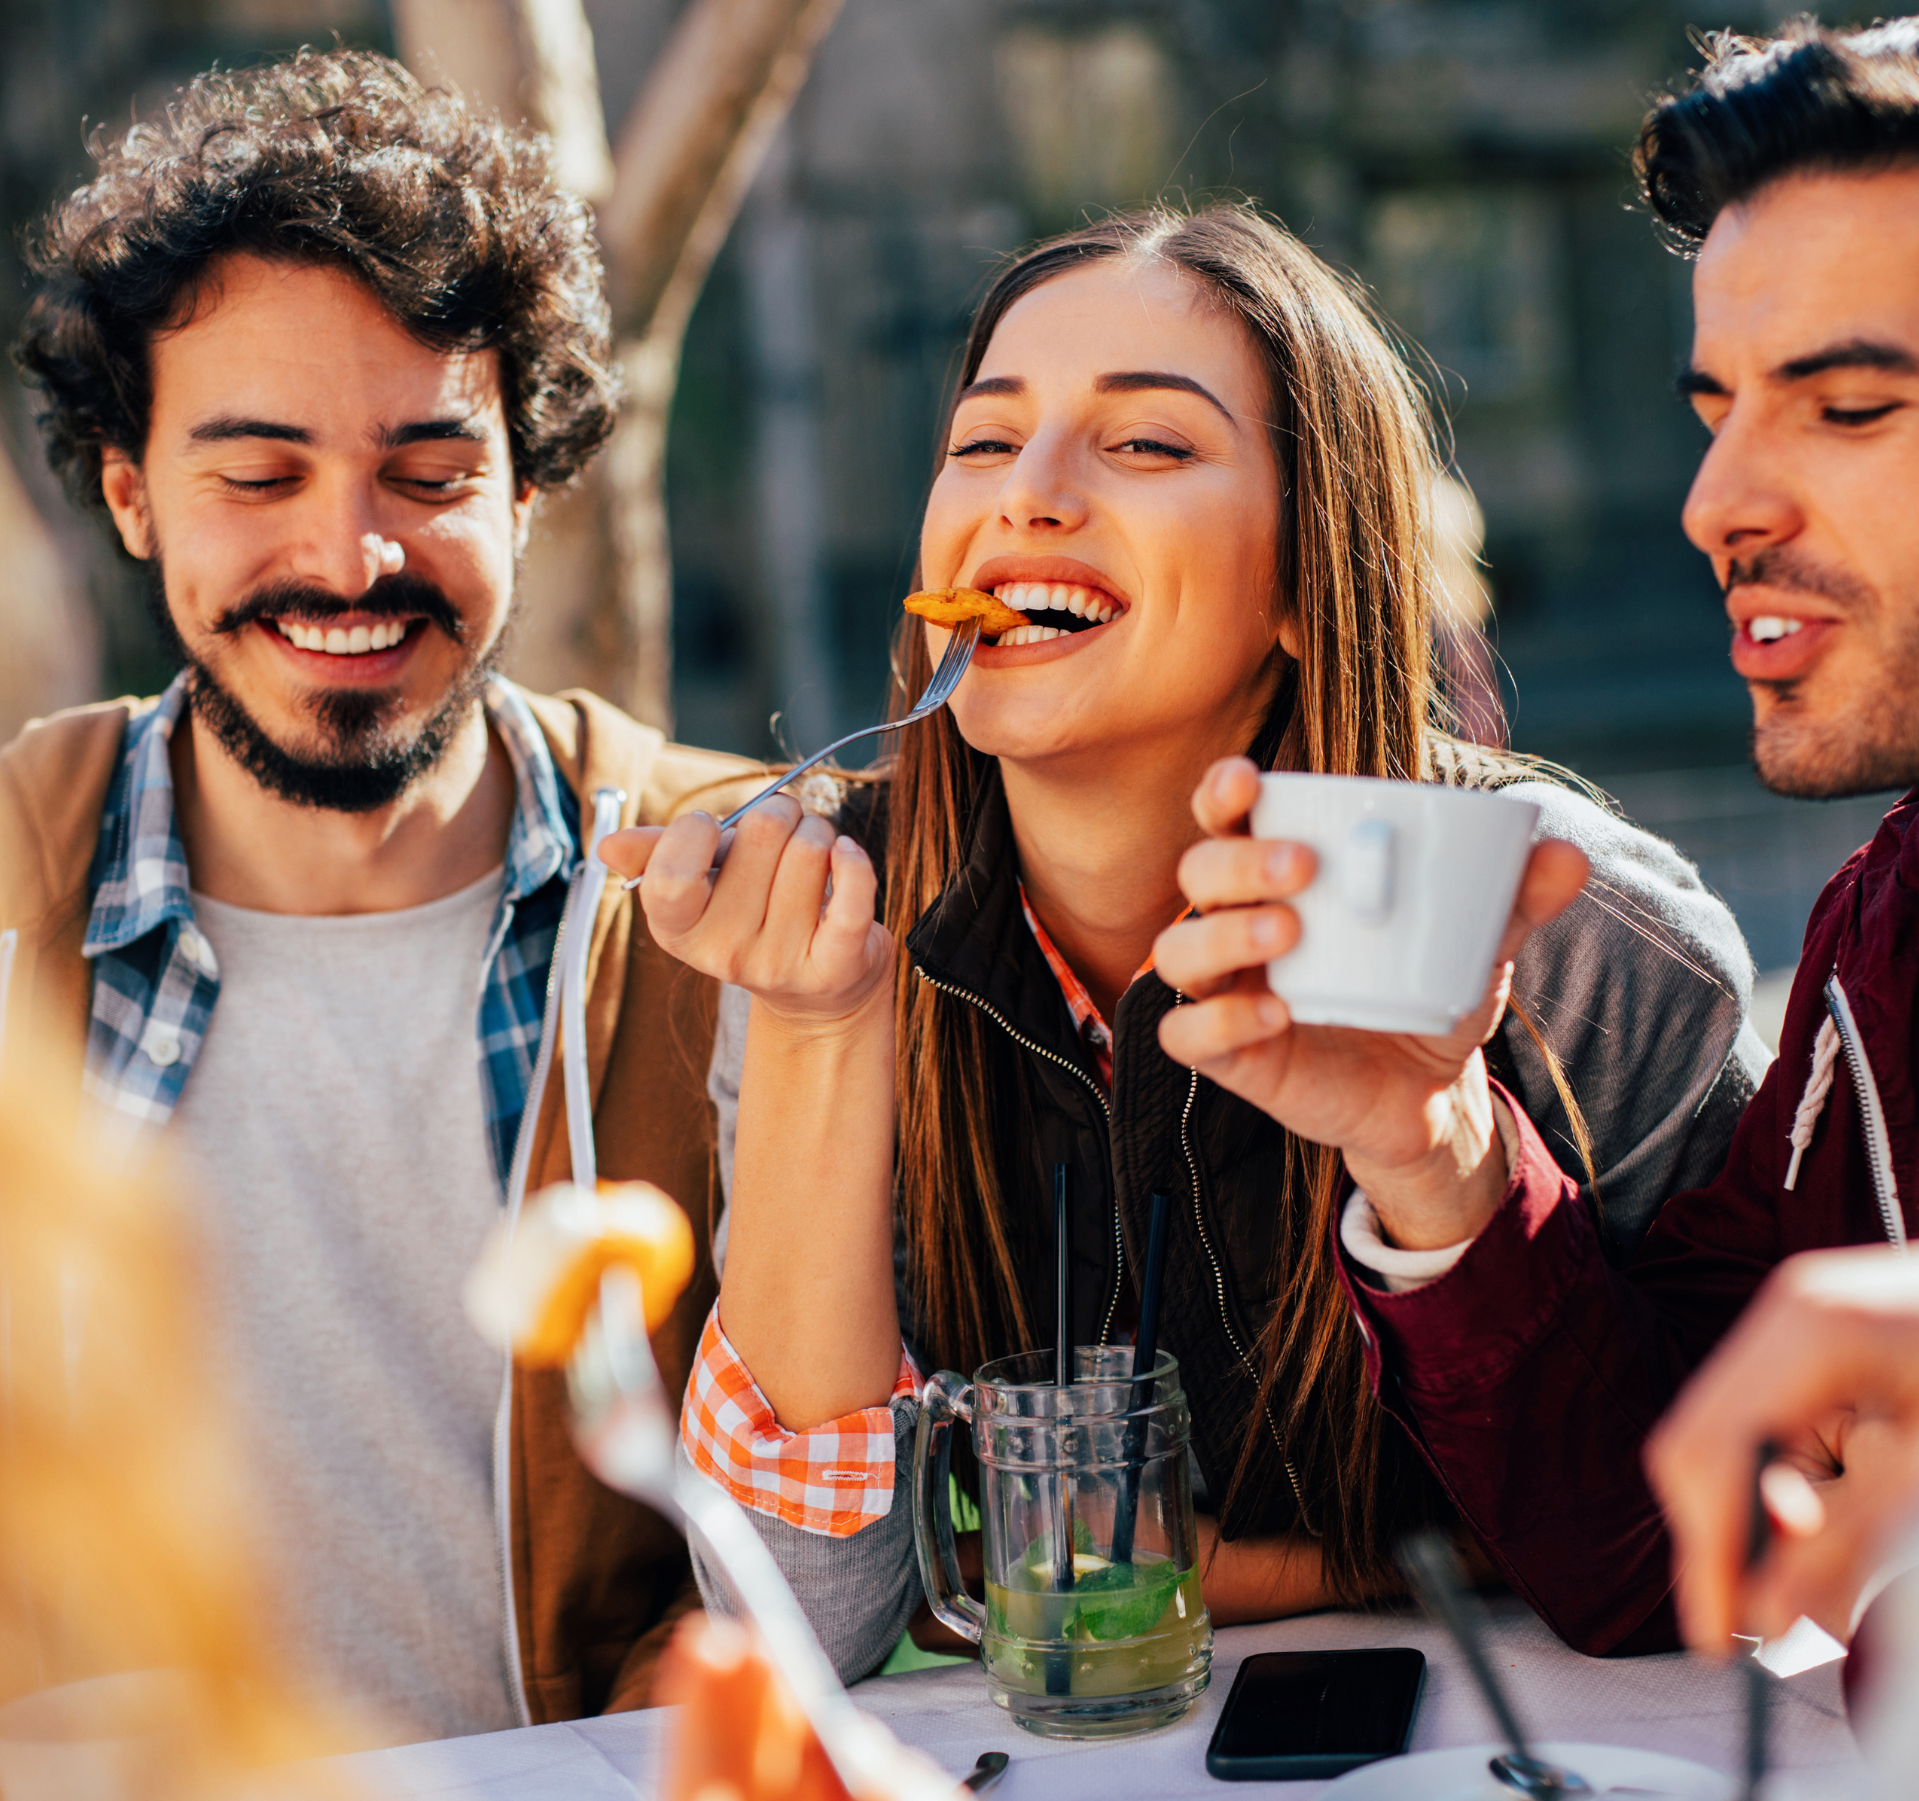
[625,1427]
[953,665]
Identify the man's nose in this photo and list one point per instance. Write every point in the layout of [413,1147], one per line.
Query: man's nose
[1741,500]
[343,550]
[1044,490]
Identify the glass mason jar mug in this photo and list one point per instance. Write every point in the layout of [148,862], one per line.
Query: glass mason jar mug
[1093,1624]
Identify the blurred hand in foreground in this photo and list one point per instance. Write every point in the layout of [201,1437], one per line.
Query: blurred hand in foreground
[742,1737]
[1829,1346]
[1413,1116]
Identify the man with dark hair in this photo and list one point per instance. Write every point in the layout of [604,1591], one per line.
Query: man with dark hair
[1527,1368]
[317,340]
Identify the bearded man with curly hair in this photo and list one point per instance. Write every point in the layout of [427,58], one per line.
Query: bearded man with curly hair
[316,340]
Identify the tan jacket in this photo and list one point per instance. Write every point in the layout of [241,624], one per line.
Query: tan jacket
[597,1580]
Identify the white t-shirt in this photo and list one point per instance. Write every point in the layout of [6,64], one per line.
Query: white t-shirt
[335,1151]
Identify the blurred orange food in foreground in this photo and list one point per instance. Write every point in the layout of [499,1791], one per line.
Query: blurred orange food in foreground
[741,1736]
[538,1279]
[135,1654]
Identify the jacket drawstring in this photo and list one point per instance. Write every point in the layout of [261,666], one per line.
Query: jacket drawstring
[607,803]
[1825,1053]
[9,944]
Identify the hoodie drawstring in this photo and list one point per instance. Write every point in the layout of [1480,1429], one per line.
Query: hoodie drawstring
[1825,1053]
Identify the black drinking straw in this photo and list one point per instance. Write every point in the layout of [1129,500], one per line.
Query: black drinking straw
[1758,1679]
[1145,1354]
[1059,1664]
[1063,1238]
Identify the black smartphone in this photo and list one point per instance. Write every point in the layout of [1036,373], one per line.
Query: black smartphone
[1293,1715]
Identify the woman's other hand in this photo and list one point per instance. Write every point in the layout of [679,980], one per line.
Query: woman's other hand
[788,916]
[1413,1116]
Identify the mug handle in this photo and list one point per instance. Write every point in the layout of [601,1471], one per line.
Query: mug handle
[947,1397]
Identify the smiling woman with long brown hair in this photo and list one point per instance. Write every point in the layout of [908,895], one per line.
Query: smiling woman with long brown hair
[1188,450]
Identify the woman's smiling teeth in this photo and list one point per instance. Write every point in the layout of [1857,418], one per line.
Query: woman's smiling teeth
[1768,629]
[343,641]
[1087,605]
[1030,634]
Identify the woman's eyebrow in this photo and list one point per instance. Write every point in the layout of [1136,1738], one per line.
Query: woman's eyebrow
[1140,381]
[1131,381]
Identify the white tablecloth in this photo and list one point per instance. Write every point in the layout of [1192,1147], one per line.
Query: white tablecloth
[1675,1704]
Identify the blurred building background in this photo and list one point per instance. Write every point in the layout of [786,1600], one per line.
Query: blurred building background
[1466,157]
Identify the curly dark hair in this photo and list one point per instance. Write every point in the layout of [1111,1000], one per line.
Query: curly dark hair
[1811,100]
[449,217]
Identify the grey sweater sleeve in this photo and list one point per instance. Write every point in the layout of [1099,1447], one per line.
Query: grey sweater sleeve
[858,1591]
[723,1090]
[1641,987]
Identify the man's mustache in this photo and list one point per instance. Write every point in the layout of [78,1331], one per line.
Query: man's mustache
[1791,572]
[402,596]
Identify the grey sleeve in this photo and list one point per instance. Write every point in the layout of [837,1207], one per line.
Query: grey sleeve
[1641,987]
[858,1592]
[723,1090]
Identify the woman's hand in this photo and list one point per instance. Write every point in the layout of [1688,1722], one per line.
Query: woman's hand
[1413,1116]
[1247,1579]
[1244,1580]
[788,916]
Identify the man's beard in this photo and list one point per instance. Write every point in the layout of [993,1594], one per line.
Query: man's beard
[361,762]
[1869,740]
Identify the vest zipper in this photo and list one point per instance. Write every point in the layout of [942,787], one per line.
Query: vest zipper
[515,1196]
[1219,1287]
[1872,1114]
[1105,1106]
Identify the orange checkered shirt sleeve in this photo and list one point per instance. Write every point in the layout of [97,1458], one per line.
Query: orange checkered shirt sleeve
[832,1479]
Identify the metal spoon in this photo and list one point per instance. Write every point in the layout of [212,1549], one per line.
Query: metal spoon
[1434,1572]
[1534,1776]
[990,1768]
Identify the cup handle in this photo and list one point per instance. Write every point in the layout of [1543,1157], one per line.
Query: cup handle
[947,1397]
[1366,871]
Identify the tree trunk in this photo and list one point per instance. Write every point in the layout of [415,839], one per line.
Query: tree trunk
[598,577]
[52,657]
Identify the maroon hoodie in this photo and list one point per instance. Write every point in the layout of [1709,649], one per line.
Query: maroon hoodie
[1532,1371]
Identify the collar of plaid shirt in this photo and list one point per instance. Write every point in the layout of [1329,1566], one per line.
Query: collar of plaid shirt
[155,978]
[1093,1030]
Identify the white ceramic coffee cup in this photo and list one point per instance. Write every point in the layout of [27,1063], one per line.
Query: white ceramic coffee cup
[1415,884]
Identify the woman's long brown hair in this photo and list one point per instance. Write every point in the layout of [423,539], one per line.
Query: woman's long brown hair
[1355,450]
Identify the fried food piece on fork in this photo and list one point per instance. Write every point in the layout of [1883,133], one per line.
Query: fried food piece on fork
[954,606]
[534,1285]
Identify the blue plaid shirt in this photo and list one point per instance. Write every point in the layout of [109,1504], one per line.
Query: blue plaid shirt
[155,978]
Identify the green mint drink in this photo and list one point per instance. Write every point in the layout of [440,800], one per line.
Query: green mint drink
[1127,1628]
